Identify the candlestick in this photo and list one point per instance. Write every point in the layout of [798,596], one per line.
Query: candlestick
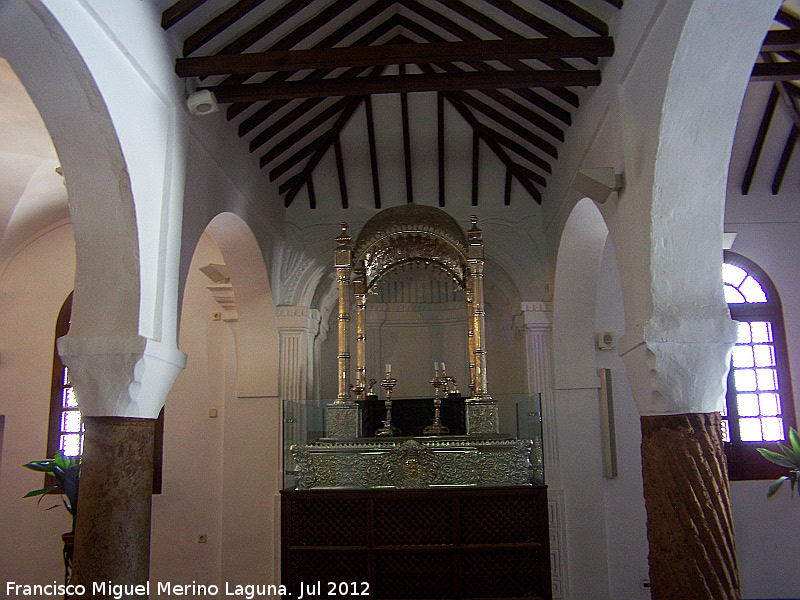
[388,430]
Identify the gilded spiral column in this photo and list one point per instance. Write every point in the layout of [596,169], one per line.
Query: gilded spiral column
[689,525]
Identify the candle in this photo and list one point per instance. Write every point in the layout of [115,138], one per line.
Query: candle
[444,369]
[388,370]
[436,368]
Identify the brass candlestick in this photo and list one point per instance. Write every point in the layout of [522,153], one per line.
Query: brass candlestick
[436,428]
[388,430]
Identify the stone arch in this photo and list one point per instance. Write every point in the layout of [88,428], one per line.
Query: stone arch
[64,91]
[579,254]
[124,187]
[257,335]
[668,224]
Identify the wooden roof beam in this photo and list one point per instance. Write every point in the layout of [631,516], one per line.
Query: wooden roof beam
[775,71]
[781,40]
[388,84]
[393,54]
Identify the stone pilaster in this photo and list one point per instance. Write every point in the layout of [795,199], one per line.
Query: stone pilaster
[689,526]
[112,533]
[538,328]
[298,326]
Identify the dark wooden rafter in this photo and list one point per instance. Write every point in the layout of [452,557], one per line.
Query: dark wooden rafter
[288,119]
[178,11]
[373,150]
[778,42]
[501,31]
[775,71]
[292,187]
[337,152]
[781,40]
[440,146]
[394,54]
[312,194]
[265,111]
[406,142]
[481,20]
[507,188]
[341,107]
[301,132]
[510,124]
[786,155]
[578,14]
[476,165]
[228,17]
[495,147]
[788,19]
[761,136]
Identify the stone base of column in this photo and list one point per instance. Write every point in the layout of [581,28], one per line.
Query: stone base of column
[689,527]
[112,532]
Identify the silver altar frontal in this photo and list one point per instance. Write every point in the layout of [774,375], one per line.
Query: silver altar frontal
[421,462]
[468,450]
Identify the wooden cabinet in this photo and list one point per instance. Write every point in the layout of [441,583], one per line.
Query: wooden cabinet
[421,543]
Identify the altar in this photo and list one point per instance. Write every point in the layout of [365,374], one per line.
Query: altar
[417,497]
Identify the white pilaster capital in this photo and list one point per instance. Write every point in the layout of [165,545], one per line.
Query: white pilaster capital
[298,319]
[537,315]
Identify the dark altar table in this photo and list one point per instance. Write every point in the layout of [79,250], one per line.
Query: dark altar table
[454,543]
[412,415]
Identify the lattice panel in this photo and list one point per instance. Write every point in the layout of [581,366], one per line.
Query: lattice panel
[328,523]
[421,575]
[504,573]
[504,519]
[413,522]
[337,566]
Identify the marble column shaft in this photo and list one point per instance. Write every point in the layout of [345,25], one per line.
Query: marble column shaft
[112,537]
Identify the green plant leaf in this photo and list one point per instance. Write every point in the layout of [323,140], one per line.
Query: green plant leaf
[773,489]
[794,439]
[777,458]
[41,492]
[43,466]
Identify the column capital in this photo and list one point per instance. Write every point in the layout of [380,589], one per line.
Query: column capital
[681,365]
[297,318]
[120,376]
[536,315]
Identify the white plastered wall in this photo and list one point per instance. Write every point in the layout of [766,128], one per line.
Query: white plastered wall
[34,283]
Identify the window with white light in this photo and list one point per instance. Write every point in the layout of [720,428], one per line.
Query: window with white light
[759,407]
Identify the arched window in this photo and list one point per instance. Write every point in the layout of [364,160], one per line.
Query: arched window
[65,427]
[760,405]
